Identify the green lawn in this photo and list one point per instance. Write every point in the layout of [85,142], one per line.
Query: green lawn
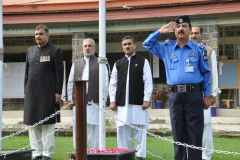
[156,146]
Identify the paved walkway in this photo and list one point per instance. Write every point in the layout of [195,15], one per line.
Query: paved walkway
[159,119]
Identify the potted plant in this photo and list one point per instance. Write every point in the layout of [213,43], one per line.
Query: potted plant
[159,97]
[222,97]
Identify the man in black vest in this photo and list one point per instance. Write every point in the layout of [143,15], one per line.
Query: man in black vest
[43,88]
[130,91]
[87,68]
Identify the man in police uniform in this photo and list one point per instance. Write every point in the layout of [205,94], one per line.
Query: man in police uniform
[207,142]
[188,74]
[130,91]
[87,68]
[43,88]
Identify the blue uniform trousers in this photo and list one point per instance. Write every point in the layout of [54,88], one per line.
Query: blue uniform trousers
[186,113]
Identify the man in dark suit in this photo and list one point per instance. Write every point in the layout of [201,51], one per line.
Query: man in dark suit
[43,87]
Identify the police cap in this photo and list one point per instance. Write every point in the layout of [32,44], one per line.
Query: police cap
[183,19]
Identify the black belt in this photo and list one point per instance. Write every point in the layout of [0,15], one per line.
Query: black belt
[185,87]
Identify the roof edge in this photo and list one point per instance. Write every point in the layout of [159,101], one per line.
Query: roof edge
[94,6]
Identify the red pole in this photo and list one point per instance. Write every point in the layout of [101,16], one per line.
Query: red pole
[81,120]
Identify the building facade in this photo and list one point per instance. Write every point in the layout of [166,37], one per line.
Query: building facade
[72,21]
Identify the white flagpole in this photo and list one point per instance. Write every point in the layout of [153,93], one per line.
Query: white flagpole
[102,54]
[1,69]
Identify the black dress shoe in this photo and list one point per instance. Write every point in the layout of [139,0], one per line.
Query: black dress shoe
[138,158]
[37,158]
[46,158]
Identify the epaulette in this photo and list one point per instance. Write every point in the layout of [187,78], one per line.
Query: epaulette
[169,41]
[200,45]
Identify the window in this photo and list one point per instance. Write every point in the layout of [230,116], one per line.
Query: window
[230,31]
[229,51]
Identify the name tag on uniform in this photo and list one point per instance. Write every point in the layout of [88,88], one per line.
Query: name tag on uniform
[189,69]
[44,58]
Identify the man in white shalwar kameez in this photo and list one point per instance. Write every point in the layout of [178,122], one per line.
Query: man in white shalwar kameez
[130,91]
[207,141]
[88,69]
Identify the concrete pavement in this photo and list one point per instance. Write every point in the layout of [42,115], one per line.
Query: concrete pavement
[226,123]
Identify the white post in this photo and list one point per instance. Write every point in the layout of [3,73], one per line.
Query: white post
[102,54]
[1,70]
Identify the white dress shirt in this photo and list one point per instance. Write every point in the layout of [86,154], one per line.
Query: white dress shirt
[214,75]
[131,113]
[214,86]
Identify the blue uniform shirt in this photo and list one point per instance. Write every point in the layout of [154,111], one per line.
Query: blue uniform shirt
[176,59]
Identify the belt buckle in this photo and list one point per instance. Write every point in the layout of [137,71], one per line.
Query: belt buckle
[182,88]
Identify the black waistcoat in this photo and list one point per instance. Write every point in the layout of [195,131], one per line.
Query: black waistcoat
[93,84]
[136,84]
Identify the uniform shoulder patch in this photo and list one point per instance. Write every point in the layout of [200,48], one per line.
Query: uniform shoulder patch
[169,41]
[205,57]
[201,45]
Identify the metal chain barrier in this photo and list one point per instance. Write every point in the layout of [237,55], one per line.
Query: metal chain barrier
[155,155]
[165,139]
[130,125]
[128,136]
[5,154]
[102,60]
[35,125]
[147,150]
[39,123]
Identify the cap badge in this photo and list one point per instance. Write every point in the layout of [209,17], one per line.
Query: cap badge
[180,20]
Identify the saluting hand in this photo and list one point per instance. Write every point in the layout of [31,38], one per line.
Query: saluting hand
[207,102]
[168,28]
[145,105]
[113,106]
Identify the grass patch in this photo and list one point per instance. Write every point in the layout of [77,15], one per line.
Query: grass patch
[156,146]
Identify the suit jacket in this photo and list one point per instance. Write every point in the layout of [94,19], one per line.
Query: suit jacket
[43,79]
